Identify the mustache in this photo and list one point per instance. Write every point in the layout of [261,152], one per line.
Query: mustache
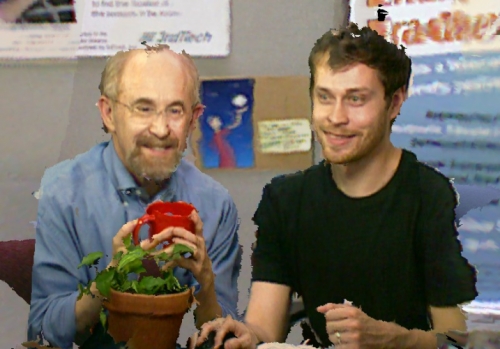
[156,143]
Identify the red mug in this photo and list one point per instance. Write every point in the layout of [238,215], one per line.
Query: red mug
[161,215]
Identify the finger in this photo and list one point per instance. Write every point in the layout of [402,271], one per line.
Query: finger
[324,308]
[198,224]
[185,234]
[240,342]
[158,252]
[347,339]
[339,314]
[329,306]
[151,244]
[126,230]
[333,327]
[186,263]
[157,239]
[236,343]
[169,265]
[207,328]
[227,326]
[342,345]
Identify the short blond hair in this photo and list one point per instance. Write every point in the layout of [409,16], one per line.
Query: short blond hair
[111,75]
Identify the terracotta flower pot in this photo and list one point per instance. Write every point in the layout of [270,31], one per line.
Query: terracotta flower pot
[147,322]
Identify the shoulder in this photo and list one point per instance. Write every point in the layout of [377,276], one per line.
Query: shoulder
[64,180]
[435,186]
[293,181]
[290,186]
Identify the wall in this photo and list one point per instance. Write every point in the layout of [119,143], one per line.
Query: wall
[48,114]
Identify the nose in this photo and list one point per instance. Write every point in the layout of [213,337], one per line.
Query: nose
[338,115]
[160,127]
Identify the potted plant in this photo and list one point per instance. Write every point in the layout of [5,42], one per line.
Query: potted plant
[144,313]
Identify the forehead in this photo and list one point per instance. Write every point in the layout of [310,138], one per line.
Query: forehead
[355,76]
[155,75]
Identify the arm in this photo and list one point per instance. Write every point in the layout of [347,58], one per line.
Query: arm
[221,298]
[444,319]
[271,279]
[55,276]
[268,326]
[237,119]
[449,279]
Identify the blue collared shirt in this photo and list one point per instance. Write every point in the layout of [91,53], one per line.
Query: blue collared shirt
[83,202]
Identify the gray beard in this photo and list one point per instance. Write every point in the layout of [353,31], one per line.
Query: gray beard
[156,172]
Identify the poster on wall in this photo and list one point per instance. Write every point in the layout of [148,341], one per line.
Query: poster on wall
[226,124]
[451,119]
[33,29]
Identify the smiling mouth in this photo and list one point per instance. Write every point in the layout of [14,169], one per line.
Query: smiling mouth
[339,136]
[158,150]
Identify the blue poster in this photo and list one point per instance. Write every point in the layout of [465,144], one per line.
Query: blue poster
[452,122]
[226,124]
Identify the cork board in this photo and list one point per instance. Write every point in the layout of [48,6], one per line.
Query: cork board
[281,105]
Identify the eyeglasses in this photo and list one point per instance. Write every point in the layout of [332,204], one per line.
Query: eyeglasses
[145,111]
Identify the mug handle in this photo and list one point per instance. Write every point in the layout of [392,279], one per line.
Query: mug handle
[146,219]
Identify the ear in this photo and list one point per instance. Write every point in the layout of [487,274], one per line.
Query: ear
[397,102]
[197,112]
[106,110]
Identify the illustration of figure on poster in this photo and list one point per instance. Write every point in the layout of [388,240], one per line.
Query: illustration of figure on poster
[226,124]
[225,150]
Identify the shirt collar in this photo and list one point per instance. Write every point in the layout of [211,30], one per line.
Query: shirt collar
[124,182]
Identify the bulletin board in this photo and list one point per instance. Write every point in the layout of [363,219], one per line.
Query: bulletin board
[272,117]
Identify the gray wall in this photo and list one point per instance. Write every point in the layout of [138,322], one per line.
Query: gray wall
[48,114]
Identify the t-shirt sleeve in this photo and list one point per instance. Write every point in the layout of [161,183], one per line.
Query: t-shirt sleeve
[269,262]
[449,278]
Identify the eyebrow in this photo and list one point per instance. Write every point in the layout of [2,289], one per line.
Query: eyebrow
[143,100]
[350,90]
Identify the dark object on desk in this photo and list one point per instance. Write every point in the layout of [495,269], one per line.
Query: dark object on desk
[209,342]
[381,13]
[16,259]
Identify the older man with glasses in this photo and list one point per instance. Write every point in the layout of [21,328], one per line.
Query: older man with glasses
[149,105]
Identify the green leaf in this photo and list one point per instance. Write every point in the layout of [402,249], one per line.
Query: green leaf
[181,249]
[171,281]
[133,266]
[125,286]
[104,280]
[162,257]
[127,241]
[103,318]
[91,259]
[151,284]
[178,251]
[131,261]
[135,286]
[118,256]
[81,289]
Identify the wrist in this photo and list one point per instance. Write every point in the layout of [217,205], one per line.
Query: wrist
[207,283]
[397,337]
[415,339]
[206,294]
[256,340]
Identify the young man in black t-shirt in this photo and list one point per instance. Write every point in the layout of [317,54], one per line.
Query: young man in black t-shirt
[370,224]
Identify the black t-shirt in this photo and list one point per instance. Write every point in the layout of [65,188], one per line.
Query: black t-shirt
[393,253]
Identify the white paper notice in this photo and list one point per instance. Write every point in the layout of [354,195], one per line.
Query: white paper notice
[285,136]
[83,28]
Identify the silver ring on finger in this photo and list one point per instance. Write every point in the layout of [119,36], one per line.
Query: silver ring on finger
[337,334]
